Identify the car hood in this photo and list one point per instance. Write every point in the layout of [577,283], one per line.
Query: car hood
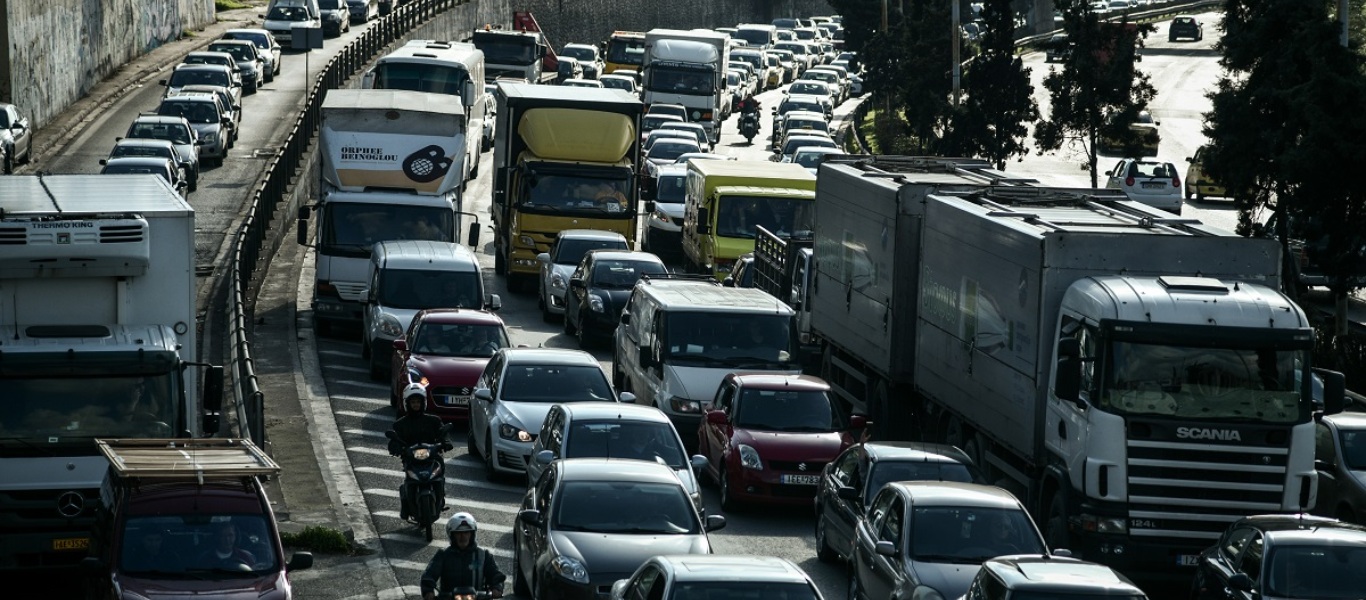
[603,553]
[271,586]
[700,383]
[525,415]
[449,370]
[206,128]
[951,580]
[186,152]
[788,446]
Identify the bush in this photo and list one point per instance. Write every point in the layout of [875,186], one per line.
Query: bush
[318,539]
[220,5]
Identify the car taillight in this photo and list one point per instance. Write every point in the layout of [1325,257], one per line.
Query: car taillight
[1129,181]
[1176,181]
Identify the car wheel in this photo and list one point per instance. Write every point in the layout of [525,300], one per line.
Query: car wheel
[618,378]
[490,474]
[855,590]
[470,445]
[728,502]
[393,398]
[823,550]
[519,585]
[377,368]
[9,162]
[569,328]
[1199,196]
[365,350]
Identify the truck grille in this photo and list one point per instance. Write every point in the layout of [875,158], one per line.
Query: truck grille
[351,291]
[1191,491]
[46,509]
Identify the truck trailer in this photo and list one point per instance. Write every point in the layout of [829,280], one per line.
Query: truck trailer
[1135,377]
[687,68]
[98,338]
[564,158]
[392,169]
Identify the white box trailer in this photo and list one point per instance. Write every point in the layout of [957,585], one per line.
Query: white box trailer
[97,339]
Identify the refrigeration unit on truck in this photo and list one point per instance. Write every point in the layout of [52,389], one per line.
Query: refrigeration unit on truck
[1134,376]
[97,339]
[391,170]
[438,67]
[687,68]
[564,158]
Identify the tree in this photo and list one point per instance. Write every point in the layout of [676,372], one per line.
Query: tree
[998,100]
[1098,93]
[1287,119]
[925,64]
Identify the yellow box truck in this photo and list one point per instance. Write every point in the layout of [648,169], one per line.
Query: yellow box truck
[726,199]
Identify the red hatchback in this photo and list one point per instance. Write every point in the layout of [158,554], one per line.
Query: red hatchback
[768,436]
[447,349]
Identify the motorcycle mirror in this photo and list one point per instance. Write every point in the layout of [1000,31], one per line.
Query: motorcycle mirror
[391,435]
[447,428]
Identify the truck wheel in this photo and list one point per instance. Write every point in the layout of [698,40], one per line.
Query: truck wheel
[1055,526]
[500,262]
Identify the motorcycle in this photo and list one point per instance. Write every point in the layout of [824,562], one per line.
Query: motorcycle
[423,491]
[466,593]
[749,126]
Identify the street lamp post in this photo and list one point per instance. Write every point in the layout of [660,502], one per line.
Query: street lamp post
[957,36]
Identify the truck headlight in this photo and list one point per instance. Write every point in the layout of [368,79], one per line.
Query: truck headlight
[570,569]
[557,282]
[1099,524]
[512,432]
[661,216]
[388,325]
[683,405]
[749,458]
[527,241]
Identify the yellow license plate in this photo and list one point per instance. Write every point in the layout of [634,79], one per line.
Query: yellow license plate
[71,544]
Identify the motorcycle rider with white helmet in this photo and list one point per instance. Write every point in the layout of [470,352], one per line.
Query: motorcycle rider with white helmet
[415,427]
[463,564]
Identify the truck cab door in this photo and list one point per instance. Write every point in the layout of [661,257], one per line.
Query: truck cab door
[1066,427]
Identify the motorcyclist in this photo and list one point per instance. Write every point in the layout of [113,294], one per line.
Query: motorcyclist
[463,564]
[415,427]
[750,106]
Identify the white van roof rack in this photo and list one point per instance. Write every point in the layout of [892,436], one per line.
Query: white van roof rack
[180,458]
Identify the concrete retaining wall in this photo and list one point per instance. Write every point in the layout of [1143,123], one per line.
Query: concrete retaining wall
[57,50]
[591,21]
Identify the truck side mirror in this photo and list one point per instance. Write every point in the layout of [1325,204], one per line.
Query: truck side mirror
[303,226]
[1067,382]
[703,221]
[473,236]
[1334,391]
[213,397]
[649,206]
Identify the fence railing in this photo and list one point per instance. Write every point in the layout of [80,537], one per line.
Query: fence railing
[257,239]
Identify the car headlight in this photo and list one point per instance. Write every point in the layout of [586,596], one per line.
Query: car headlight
[1099,524]
[749,458]
[388,325]
[595,303]
[209,138]
[570,569]
[683,405]
[415,376]
[557,281]
[661,216]
[511,432]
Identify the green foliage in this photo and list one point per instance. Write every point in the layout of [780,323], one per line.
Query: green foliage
[1287,120]
[1098,92]
[862,20]
[318,539]
[222,5]
[999,102]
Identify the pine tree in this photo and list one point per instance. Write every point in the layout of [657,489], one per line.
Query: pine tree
[991,123]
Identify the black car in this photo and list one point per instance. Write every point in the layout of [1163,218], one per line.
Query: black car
[849,482]
[598,289]
[1185,27]
[588,522]
[742,274]
[1057,48]
[1284,556]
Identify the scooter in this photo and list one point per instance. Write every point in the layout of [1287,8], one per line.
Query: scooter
[749,126]
[466,593]
[423,491]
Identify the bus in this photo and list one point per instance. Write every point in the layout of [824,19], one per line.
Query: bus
[625,50]
[439,67]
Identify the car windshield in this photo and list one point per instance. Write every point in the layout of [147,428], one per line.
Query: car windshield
[803,123]
[671,188]
[204,76]
[474,340]
[47,407]
[808,88]
[622,274]
[554,383]
[737,340]
[174,132]
[134,169]
[669,150]
[241,52]
[651,122]
[741,590]
[753,37]
[625,507]
[206,60]
[791,105]
[261,40]
[200,546]
[287,13]
[1321,572]
[1253,385]
[133,150]
[950,534]
[618,83]
[434,288]
[1051,595]
[570,251]
[639,440]
[803,142]
[194,112]
[1354,448]
[885,471]
[739,215]
[809,160]
[784,410]
[579,52]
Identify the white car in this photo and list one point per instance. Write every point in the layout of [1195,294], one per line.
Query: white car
[1149,181]
[811,157]
[516,391]
[569,247]
[282,19]
[585,83]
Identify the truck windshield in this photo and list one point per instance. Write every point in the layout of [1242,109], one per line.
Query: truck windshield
[736,340]
[682,80]
[50,407]
[350,229]
[220,546]
[577,194]
[416,290]
[418,77]
[1255,385]
[504,49]
[626,51]
[738,215]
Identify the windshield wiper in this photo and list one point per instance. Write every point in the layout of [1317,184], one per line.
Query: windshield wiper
[946,558]
[645,530]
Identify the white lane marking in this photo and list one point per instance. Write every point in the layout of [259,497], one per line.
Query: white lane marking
[347,368]
[497,487]
[441,524]
[360,399]
[369,385]
[457,504]
[435,543]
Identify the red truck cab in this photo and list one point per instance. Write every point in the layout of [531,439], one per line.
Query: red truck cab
[181,517]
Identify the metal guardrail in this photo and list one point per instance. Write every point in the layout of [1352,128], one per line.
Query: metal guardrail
[1142,16]
[256,239]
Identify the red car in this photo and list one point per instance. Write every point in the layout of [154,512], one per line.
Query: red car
[768,436]
[447,348]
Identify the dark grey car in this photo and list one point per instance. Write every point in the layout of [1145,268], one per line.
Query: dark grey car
[1340,458]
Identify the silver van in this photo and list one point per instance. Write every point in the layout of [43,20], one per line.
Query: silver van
[413,275]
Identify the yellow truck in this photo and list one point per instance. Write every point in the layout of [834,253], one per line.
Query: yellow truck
[726,200]
[564,158]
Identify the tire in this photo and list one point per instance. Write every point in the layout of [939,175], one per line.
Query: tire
[470,445]
[824,552]
[500,263]
[855,590]
[1199,197]
[728,503]
[618,378]
[569,328]
[1188,191]
[377,369]
[427,532]
[1055,524]
[365,350]
[490,473]
[519,585]
[9,162]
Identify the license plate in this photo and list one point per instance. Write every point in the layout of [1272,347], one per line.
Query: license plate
[71,544]
[1187,560]
[455,400]
[1150,185]
[800,479]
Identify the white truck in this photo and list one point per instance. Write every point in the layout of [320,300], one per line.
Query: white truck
[1135,378]
[687,68]
[391,170]
[97,339]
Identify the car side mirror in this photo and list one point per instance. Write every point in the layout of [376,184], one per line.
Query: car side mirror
[543,258]
[1240,582]
[103,162]
[848,493]
[401,345]
[715,522]
[729,281]
[1190,159]
[1109,173]
[625,318]
[531,517]
[576,283]
[885,548]
[619,588]
[161,82]
[484,394]
[494,303]
[1158,123]
[545,457]
[627,398]
[649,206]
[717,417]
[300,561]
[697,462]
[858,422]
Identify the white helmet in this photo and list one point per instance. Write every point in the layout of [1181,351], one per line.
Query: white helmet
[461,521]
[415,389]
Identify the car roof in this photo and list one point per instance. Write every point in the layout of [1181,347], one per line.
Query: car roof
[682,125]
[548,356]
[208,53]
[144,142]
[166,119]
[425,255]
[921,451]
[1060,575]
[1277,522]
[672,170]
[780,381]
[600,411]
[696,295]
[686,156]
[464,316]
[949,493]
[203,67]
[804,114]
[1337,533]
[617,76]
[147,161]
[611,254]
[1347,420]
[608,469]
[590,234]
[738,568]
[192,97]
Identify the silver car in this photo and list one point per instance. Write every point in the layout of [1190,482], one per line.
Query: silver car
[202,111]
[249,64]
[16,136]
[564,256]
[268,48]
[176,130]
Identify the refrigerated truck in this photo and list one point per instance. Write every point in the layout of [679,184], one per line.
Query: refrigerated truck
[1135,377]
[98,338]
